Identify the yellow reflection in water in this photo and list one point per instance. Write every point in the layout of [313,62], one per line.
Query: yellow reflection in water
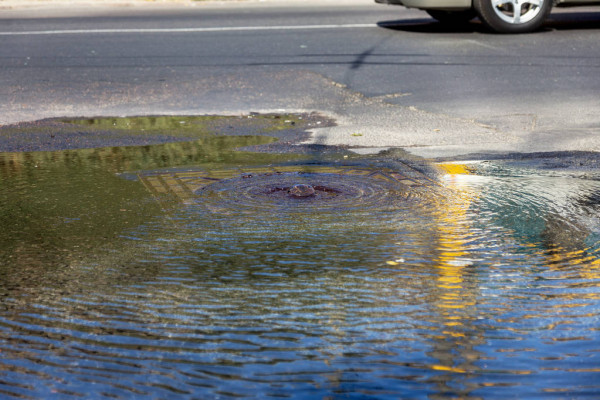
[454,230]
[453,294]
[449,369]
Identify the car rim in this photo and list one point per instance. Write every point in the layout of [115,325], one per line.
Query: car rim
[517,11]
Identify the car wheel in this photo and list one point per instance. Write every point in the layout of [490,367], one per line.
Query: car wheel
[513,16]
[452,17]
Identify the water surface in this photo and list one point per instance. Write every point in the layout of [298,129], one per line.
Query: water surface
[480,282]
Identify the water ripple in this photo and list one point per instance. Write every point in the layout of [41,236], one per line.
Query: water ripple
[488,288]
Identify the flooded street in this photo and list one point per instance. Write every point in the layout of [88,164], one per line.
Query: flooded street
[296,199]
[187,270]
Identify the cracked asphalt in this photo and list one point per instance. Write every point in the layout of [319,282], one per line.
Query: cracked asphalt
[388,76]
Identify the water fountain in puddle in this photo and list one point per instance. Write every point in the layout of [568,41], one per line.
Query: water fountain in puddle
[201,279]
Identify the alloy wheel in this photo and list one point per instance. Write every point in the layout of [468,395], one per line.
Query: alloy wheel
[517,11]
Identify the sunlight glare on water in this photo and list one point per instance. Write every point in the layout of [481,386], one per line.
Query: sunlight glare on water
[484,285]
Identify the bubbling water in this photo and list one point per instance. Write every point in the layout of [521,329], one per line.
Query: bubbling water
[316,190]
[301,190]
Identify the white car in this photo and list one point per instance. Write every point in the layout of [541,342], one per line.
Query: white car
[510,16]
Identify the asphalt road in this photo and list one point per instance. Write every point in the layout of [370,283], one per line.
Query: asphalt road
[389,76]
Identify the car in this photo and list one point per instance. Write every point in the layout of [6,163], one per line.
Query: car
[506,16]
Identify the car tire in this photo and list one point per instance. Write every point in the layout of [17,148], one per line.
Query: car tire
[501,16]
[453,18]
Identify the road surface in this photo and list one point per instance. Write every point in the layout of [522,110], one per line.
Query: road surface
[388,75]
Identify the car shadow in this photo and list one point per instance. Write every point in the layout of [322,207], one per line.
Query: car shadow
[568,20]
[558,20]
[429,25]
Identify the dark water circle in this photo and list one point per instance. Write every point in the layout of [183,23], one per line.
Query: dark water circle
[317,191]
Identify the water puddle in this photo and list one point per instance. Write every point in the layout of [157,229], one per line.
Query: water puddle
[192,270]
